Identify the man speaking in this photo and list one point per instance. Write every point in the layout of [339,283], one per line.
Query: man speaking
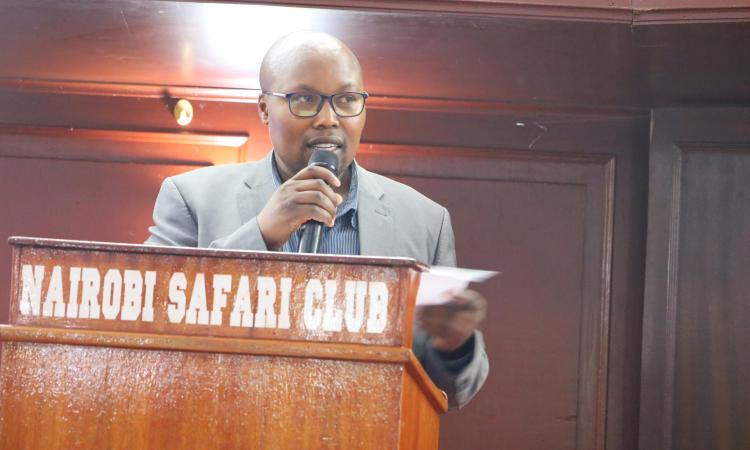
[313,100]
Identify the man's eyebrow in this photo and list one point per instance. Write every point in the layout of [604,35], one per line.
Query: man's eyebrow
[305,88]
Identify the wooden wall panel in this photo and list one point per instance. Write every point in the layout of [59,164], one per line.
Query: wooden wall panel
[695,359]
[622,11]
[91,184]
[534,217]
[221,44]
[526,89]
[598,132]
[428,122]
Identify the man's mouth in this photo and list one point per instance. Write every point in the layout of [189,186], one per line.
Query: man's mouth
[327,143]
[326,147]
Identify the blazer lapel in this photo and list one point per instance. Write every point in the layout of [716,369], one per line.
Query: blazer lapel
[376,228]
[258,189]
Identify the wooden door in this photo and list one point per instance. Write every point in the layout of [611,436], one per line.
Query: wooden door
[696,333]
[544,220]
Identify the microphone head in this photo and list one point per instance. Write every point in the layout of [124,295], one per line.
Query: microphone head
[325,158]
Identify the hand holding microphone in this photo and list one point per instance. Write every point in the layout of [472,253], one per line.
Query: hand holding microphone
[307,196]
[312,230]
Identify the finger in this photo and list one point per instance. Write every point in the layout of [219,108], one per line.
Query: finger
[312,172]
[440,318]
[470,295]
[448,336]
[315,198]
[458,321]
[468,299]
[317,185]
[315,212]
[458,304]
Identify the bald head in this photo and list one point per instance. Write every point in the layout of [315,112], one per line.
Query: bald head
[301,48]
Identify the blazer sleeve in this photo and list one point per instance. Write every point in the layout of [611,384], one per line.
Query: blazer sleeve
[246,237]
[462,386]
[174,224]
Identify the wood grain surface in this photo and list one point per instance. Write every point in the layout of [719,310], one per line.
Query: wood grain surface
[94,383]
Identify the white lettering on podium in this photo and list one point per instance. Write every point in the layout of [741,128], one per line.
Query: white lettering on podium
[242,315]
[111,294]
[378,317]
[222,288]
[176,307]
[75,280]
[91,281]
[286,292]
[197,312]
[31,289]
[54,302]
[332,316]
[356,294]
[147,314]
[133,295]
[265,316]
[129,295]
[312,315]
[355,305]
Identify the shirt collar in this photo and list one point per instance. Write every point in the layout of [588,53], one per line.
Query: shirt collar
[350,204]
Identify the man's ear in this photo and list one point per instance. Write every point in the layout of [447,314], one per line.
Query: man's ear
[263,109]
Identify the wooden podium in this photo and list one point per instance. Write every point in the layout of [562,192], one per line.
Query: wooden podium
[114,346]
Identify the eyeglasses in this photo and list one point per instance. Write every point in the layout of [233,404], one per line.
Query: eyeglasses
[309,104]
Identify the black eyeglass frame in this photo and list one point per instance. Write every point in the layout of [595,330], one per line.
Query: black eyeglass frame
[323,98]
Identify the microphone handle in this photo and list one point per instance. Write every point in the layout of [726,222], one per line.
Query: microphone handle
[309,242]
[312,231]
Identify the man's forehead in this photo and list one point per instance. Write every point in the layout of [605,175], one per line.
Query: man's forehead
[317,74]
[304,60]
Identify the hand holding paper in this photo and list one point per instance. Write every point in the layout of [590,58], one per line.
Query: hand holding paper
[447,311]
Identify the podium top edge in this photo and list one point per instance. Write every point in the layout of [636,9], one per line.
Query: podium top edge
[24,241]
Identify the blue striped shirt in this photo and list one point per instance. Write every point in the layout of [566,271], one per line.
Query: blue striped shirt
[343,238]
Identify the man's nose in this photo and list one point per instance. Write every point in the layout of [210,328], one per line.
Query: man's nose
[327,117]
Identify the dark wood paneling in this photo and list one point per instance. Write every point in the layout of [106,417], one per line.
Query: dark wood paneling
[623,11]
[473,56]
[91,184]
[434,123]
[531,216]
[695,65]
[123,107]
[221,45]
[599,10]
[604,133]
[439,80]
[124,146]
[695,360]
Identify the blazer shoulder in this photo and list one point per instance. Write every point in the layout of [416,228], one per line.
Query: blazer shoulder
[208,189]
[404,195]
[213,174]
[424,226]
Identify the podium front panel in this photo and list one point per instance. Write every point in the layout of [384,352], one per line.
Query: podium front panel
[63,397]
[267,295]
[130,346]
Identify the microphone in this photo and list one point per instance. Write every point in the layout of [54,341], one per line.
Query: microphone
[312,230]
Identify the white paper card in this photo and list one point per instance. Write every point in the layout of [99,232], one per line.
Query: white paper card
[441,283]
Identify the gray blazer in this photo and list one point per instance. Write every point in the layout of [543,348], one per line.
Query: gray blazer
[216,207]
